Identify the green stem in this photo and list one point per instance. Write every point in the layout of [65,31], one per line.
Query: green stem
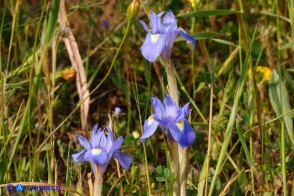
[144,146]
[183,88]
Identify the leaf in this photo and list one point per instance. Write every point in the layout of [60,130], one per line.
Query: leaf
[160,179]
[47,147]
[202,13]
[159,170]
[51,25]
[279,99]
[243,143]
[288,45]
[167,172]
[225,42]
[201,35]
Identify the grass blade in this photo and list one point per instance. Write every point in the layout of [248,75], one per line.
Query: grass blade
[229,130]
[203,13]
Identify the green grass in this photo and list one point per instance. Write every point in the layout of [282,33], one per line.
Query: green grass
[243,120]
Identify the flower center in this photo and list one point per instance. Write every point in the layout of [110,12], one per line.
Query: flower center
[180,125]
[96,151]
[154,37]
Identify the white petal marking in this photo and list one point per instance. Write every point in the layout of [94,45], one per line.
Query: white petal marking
[96,151]
[154,38]
[180,125]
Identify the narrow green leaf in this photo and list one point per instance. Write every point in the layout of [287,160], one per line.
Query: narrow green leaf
[225,42]
[202,13]
[279,99]
[51,26]
[229,130]
[243,143]
[47,147]
[201,35]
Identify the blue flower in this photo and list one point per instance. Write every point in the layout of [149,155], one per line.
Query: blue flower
[101,148]
[172,120]
[105,23]
[160,38]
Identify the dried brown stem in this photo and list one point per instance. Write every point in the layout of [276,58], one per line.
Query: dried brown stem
[76,60]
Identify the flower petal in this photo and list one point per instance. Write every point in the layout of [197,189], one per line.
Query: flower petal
[170,106]
[79,157]
[96,136]
[110,140]
[116,145]
[144,25]
[99,158]
[96,129]
[160,14]
[169,18]
[124,159]
[103,167]
[154,20]
[171,35]
[183,133]
[103,141]
[183,112]
[99,140]
[83,141]
[153,46]
[158,107]
[150,126]
[187,37]
[95,139]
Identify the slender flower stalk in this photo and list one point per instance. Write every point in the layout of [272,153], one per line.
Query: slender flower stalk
[97,190]
[179,155]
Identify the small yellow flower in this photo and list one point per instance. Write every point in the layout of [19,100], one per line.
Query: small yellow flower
[68,73]
[266,72]
[193,3]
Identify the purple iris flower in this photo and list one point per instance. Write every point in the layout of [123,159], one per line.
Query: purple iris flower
[101,148]
[173,121]
[161,37]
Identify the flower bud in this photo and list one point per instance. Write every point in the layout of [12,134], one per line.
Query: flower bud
[133,10]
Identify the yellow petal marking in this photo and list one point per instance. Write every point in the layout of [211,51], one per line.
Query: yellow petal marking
[154,37]
[180,125]
[96,151]
[150,120]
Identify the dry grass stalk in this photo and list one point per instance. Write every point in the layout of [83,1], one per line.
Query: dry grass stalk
[76,60]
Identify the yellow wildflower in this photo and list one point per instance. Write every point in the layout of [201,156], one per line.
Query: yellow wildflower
[193,3]
[68,73]
[266,72]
